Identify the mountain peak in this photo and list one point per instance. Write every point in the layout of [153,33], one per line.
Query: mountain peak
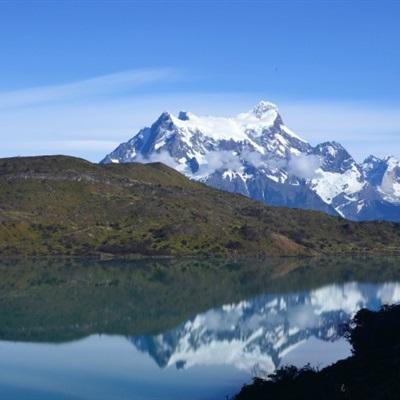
[165,119]
[372,159]
[332,149]
[263,107]
[165,115]
[335,156]
[183,115]
[391,159]
[331,143]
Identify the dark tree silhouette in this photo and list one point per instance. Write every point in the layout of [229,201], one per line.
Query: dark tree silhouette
[371,373]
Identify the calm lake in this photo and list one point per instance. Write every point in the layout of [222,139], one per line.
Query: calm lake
[179,330]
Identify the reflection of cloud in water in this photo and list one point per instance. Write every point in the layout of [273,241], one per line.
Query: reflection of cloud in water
[212,320]
[389,293]
[302,317]
[347,298]
[260,333]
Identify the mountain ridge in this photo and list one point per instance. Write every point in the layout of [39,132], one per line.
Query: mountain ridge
[257,155]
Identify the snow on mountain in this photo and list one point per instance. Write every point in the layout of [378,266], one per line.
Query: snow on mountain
[339,175]
[256,154]
[255,335]
[385,175]
[374,169]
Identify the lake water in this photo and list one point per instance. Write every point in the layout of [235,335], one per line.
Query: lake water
[175,329]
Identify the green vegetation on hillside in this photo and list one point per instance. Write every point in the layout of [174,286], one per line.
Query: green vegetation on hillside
[59,205]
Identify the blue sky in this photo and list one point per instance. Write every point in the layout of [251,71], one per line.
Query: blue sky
[78,77]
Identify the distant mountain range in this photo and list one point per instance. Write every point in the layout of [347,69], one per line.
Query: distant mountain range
[257,155]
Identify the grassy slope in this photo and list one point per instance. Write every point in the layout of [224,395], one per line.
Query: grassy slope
[64,205]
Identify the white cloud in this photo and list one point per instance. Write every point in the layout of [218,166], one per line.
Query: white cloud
[253,158]
[304,166]
[101,85]
[162,157]
[219,160]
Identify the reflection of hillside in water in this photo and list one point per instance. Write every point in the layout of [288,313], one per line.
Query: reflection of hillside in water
[256,334]
[149,297]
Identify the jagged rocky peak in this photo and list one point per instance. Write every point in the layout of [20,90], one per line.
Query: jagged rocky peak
[264,107]
[332,150]
[392,162]
[165,117]
[390,182]
[376,168]
[183,115]
[335,157]
[262,111]
[371,160]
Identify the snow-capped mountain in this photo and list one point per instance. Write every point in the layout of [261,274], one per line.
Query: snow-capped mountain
[257,155]
[257,335]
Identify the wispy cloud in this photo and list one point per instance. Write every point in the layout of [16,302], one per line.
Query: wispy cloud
[304,166]
[117,83]
[89,118]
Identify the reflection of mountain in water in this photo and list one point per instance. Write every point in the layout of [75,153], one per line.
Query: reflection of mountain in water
[255,334]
